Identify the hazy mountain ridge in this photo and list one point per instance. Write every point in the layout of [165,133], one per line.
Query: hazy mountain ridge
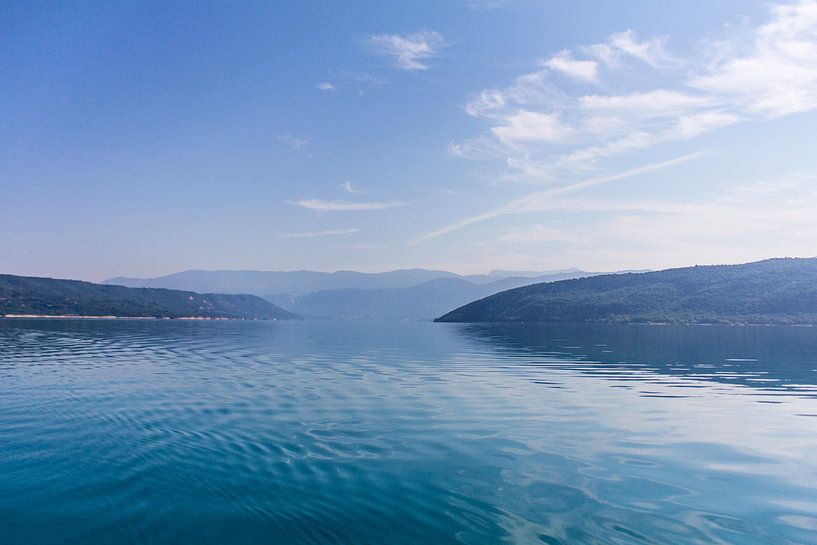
[420,302]
[409,294]
[765,292]
[57,297]
[272,283]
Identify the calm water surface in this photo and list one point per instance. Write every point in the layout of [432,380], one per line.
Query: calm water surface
[165,432]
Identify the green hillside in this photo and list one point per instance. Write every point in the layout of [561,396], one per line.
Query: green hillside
[54,297]
[775,291]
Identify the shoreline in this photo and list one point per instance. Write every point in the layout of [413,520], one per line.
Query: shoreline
[82,317]
[650,324]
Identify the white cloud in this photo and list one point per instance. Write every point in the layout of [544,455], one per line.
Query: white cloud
[582,70]
[581,159]
[776,73]
[623,45]
[294,143]
[603,52]
[325,86]
[533,115]
[690,126]
[527,126]
[527,89]
[315,234]
[529,169]
[683,127]
[347,186]
[321,205]
[655,103]
[542,132]
[409,51]
[486,102]
[652,51]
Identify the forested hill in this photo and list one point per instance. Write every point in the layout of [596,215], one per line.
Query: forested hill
[775,291]
[53,297]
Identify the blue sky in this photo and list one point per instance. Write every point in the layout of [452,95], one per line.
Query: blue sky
[144,138]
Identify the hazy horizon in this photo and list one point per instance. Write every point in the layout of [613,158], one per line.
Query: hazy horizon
[144,140]
[499,273]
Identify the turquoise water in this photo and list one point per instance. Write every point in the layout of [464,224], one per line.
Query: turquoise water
[121,432]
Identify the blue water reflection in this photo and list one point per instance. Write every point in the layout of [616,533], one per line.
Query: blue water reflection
[262,432]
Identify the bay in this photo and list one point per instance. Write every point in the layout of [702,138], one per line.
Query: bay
[406,433]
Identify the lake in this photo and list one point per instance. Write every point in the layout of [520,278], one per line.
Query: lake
[418,433]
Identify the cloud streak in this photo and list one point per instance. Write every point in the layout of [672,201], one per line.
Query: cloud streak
[321,205]
[408,51]
[778,218]
[539,200]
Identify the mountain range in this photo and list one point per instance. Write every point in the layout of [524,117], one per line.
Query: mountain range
[774,291]
[411,294]
[25,295]
[276,283]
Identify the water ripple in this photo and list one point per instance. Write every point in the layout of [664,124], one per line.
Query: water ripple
[311,433]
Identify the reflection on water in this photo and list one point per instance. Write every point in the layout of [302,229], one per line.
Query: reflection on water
[770,359]
[260,432]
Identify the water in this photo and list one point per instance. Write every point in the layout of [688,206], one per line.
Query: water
[295,433]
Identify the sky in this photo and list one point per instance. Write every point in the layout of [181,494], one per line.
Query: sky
[145,138]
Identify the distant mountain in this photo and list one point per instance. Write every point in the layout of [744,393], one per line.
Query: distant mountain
[421,302]
[289,284]
[276,283]
[530,274]
[775,291]
[412,294]
[54,297]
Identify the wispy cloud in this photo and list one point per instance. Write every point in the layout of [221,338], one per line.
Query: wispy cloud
[294,143]
[741,223]
[583,70]
[409,51]
[321,205]
[651,51]
[654,103]
[539,200]
[543,131]
[347,186]
[316,234]
[773,70]
[325,86]
[526,126]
